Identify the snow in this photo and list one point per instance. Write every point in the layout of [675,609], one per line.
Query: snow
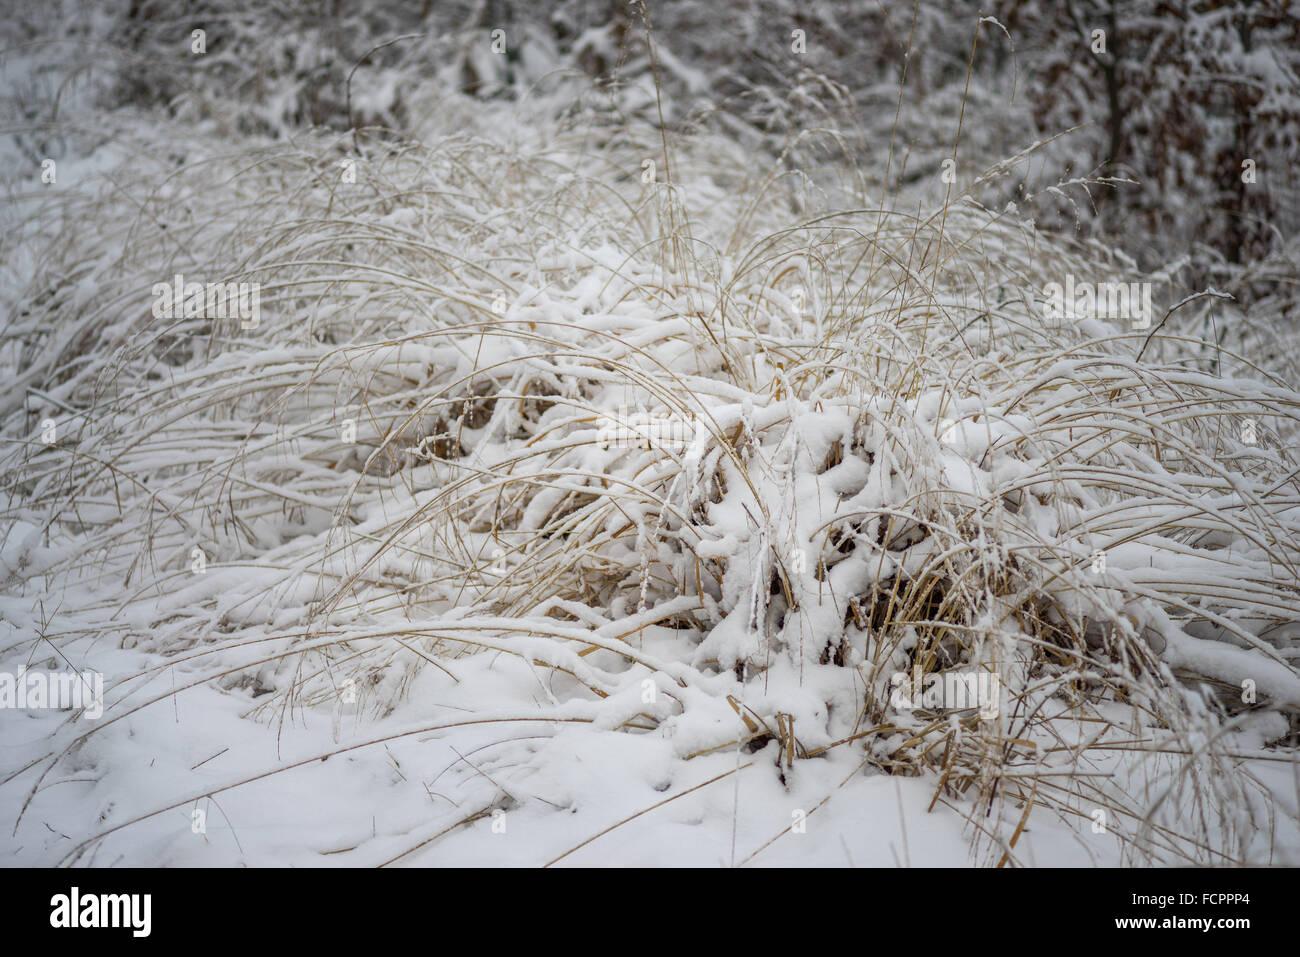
[475,634]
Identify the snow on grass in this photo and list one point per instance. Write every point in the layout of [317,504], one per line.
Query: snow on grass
[394,575]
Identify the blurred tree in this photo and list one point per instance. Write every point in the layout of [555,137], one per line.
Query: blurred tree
[1199,101]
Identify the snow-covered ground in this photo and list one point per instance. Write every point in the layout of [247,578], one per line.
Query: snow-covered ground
[560,500]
